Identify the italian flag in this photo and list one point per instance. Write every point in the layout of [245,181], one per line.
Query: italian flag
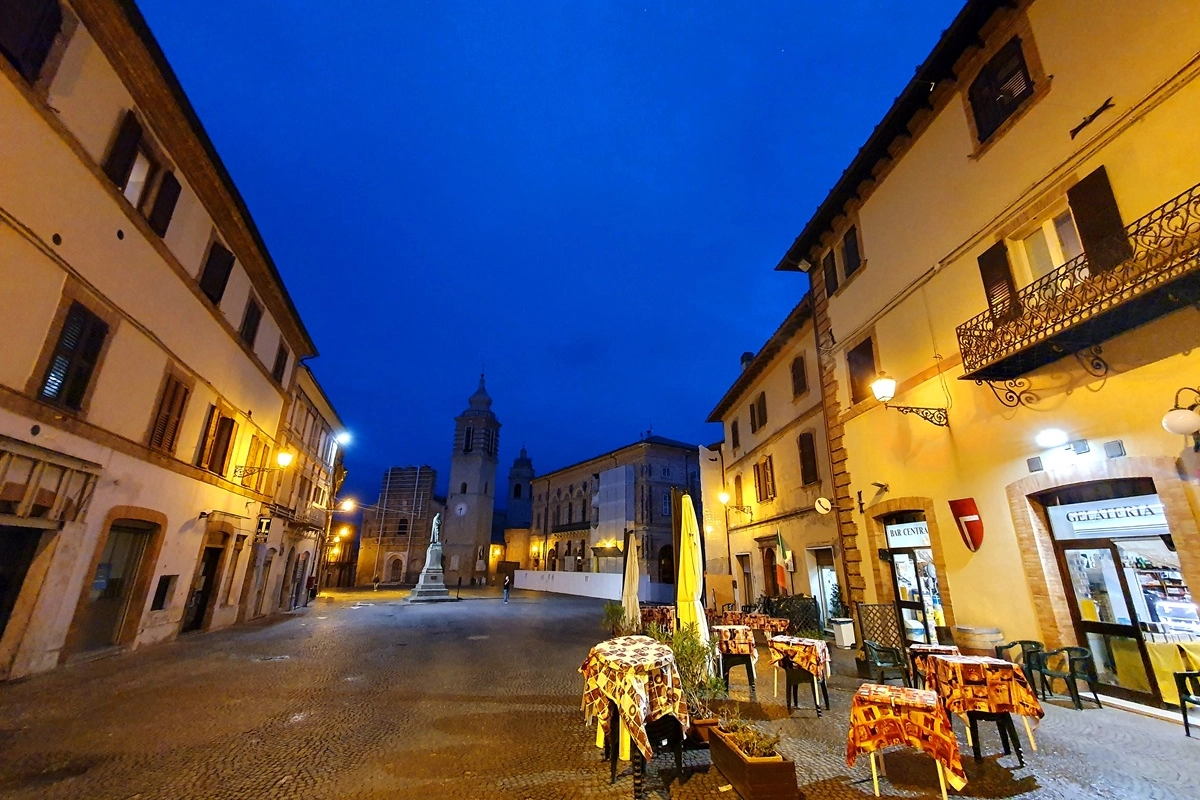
[781,555]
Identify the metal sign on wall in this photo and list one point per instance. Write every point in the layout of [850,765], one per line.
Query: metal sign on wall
[907,534]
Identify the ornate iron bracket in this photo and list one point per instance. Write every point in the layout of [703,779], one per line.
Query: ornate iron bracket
[246,472]
[1012,393]
[1092,361]
[936,416]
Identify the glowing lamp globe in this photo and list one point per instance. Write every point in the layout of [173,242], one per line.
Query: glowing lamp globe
[884,388]
[724,498]
[1181,421]
[284,458]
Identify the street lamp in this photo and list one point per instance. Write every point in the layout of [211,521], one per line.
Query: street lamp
[1183,420]
[884,389]
[724,498]
[283,458]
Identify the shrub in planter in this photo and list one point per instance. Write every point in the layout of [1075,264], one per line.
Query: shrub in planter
[614,620]
[747,757]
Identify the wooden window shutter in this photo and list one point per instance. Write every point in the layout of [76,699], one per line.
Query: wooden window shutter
[124,150]
[281,360]
[769,475]
[860,363]
[218,460]
[831,276]
[799,377]
[216,272]
[808,459]
[758,482]
[164,204]
[169,415]
[1098,221]
[253,457]
[753,418]
[998,284]
[762,409]
[733,434]
[850,257]
[207,437]
[75,357]
[27,32]
[250,322]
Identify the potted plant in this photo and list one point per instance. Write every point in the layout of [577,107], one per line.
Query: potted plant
[749,760]
[695,659]
[615,620]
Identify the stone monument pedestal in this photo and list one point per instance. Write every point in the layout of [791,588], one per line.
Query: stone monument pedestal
[431,586]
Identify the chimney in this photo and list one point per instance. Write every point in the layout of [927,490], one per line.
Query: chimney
[747,357]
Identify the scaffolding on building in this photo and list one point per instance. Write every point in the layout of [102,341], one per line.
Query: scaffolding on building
[404,501]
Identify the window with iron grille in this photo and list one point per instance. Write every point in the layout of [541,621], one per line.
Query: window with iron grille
[74,360]
[1000,88]
[169,415]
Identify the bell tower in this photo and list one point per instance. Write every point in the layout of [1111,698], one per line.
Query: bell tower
[467,528]
[520,504]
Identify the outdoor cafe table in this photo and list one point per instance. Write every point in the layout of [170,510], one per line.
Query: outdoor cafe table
[660,615]
[882,716]
[810,655]
[634,677]
[966,684]
[735,644]
[919,655]
[766,623]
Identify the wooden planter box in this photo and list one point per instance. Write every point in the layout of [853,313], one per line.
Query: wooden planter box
[753,778]
[698,733]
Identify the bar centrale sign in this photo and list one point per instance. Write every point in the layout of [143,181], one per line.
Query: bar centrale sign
[907,534]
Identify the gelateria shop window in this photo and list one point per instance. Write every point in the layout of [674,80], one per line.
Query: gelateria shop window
[1129,603]
[914,577]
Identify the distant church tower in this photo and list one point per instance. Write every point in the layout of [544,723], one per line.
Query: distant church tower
[520,484]
[467,527]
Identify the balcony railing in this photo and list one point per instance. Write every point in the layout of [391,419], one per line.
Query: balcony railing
[1072,309]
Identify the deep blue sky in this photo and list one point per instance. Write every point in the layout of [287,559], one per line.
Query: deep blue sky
[589,197]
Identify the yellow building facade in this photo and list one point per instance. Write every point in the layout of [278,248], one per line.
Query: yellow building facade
[774,468]
[149,354]
[1015,246]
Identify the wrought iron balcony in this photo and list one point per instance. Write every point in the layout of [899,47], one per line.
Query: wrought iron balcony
[1071,309]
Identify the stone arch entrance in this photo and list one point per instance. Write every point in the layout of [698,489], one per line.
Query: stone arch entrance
[394,571]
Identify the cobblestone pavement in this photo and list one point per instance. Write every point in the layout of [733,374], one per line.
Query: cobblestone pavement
[364,696]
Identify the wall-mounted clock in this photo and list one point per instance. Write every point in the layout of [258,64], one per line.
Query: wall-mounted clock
[460,509]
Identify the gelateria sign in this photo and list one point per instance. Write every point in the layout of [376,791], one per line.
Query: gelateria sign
[1125,516]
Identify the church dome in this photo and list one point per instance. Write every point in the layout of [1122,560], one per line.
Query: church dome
[481,401]
[522,460]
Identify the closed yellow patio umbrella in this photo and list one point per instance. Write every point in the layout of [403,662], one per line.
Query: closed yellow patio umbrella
[689,587]
[629,589]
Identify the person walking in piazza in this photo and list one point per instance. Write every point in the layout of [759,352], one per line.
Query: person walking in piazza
[375,582]
[507,582]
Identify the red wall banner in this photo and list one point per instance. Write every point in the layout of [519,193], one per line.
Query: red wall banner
[970,526]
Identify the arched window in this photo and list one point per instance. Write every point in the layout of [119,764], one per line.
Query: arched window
[570,514]
[737,490]
[517,491]
[557,514]
[462,489]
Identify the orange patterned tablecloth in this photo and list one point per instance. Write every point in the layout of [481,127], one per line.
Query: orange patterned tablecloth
[919,653]
[735,640]
[811,655]
[882,716]
[969,683]
[662,615]
[639,674]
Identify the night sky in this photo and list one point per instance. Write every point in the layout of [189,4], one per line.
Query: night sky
[589,198]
